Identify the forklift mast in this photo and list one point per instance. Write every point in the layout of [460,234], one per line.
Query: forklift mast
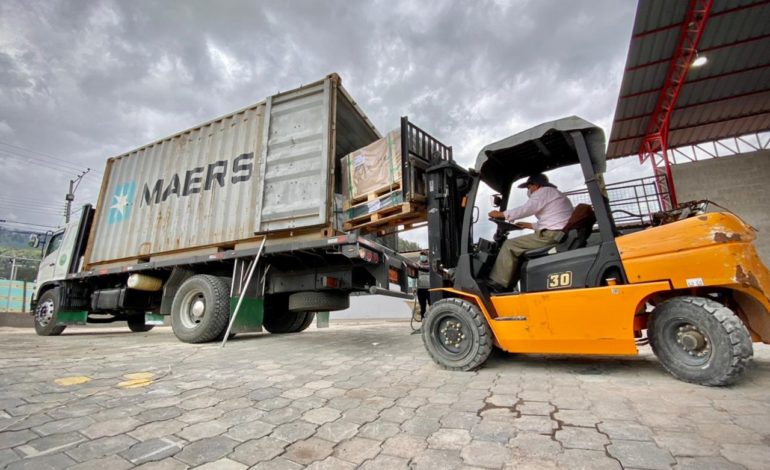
[448,185]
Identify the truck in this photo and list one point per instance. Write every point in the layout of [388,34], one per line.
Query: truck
[231,226]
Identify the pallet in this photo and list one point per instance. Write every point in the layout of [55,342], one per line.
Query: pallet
[401,214]
[372,195]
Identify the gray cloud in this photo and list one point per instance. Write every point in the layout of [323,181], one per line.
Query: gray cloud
[83,81]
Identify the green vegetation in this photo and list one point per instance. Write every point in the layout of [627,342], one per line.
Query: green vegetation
[406,245]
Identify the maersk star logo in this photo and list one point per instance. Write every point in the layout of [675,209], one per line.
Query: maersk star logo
[122,200]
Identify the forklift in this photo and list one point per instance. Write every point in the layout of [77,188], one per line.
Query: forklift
[691,283]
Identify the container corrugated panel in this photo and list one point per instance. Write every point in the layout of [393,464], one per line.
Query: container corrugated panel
[262,169]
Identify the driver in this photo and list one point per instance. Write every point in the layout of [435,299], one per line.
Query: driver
[552,210]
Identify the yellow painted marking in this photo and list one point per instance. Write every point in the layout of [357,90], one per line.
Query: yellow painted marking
[139,375]
[69,381]
[135,383]
[137,380]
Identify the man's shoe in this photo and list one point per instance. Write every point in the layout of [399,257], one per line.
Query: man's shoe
[495,287]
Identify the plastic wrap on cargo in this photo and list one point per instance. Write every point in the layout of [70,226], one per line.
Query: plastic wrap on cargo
[376,167]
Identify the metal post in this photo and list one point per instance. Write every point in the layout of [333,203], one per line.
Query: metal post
[71,195]
[13,269]
[243,289]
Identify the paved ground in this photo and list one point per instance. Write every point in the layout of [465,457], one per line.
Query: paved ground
[357,395]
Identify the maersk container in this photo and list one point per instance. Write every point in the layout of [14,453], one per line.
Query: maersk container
[265,169]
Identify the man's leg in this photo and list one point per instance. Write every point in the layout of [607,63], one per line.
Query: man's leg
[506,268]
[422,298]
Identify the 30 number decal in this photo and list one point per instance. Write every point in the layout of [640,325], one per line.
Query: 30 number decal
[557,280]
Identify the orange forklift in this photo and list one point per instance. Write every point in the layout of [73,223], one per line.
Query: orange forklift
[691,282]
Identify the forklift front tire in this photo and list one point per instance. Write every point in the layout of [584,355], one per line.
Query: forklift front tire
[456,335]
[699,340]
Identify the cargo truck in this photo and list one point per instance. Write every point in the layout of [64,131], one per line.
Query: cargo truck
[241,214]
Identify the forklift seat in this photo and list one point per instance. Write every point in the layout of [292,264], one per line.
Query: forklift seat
[576,233]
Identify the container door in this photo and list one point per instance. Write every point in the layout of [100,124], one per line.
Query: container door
[295,164]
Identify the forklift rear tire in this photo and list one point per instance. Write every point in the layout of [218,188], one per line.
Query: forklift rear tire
[700,341]
[201,309]
[46,313]
[456,335]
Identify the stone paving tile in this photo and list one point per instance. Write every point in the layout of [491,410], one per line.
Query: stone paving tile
[258,450]
[250,430]
[581,459]
[706,463]
[432,459]
[337,431]
[686,444]
[321,415]
[357,450]
[581,438]
[449,439]
[45,462]
[153,450]
[101,447]
[750,456]
[485,454]
[202,430]
[50,444]
[309,450]
[113,462]
[279,463]
[7,456]
[637,454]
[534,447]
[379,430]
[206,450]
[294,431]
[222,464]
[385,462]
[157,429]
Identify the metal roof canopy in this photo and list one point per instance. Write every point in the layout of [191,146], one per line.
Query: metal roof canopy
[665,103]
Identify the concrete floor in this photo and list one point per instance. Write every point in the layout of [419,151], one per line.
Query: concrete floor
[358,395]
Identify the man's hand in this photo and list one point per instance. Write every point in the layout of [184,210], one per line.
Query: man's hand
[524,225]
[497,215]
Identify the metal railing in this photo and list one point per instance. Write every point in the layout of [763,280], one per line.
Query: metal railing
[632,202]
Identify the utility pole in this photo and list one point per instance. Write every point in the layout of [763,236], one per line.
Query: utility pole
[71,194]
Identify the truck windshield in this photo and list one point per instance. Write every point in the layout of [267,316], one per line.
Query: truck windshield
[55,243]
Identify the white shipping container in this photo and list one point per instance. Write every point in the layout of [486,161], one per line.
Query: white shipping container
[269,169]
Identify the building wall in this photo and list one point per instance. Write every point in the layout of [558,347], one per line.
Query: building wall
[740,183]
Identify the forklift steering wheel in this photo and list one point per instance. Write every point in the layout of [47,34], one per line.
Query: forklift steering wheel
[505,226]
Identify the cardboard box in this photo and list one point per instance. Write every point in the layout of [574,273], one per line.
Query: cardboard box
[374,169]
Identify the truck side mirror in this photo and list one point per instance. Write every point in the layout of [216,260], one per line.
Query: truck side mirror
[34,241]
[497,200]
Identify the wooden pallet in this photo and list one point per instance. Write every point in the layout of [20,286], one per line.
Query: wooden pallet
[372,195]
[400,214]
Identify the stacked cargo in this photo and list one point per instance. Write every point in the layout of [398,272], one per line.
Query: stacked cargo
[376,199]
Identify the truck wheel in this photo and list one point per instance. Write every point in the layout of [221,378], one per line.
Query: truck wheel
[318,301]
[201,309]
[456,335]
[136,324]
[46,312]
[699,340]
[287,322]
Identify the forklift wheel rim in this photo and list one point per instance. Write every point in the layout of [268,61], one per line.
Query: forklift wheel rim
[678,332]
[452,335]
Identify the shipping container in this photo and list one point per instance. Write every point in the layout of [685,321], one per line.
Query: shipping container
[266,169]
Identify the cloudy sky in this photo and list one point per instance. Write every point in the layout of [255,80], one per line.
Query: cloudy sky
[81,81]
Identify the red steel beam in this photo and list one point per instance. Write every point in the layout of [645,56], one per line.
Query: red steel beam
[655,139]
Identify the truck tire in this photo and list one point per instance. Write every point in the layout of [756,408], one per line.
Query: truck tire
[700,341]
[318,301]
[287,322]
[136,324]
[456,335]
[46,313]
[201,309]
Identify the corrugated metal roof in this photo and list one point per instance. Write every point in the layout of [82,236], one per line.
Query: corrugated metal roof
[727,97]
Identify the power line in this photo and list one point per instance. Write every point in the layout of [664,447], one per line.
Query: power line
[37,152]
[27,200]
[3,221]
[50,162]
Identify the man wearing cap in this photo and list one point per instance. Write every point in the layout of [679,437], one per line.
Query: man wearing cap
[552,210]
